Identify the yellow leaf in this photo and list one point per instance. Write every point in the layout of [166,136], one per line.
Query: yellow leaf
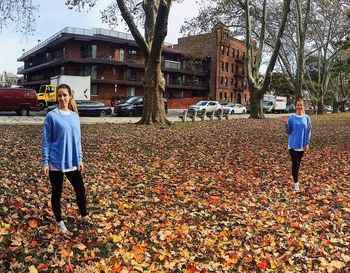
[32,269]
[80,246]
[346,209]
[116,238]
[273,264]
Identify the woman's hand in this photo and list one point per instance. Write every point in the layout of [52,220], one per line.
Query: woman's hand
[45,171]
[306,148]
[284,121]
[81,167]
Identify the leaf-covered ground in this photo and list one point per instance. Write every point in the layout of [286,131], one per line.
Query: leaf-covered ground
[212,196]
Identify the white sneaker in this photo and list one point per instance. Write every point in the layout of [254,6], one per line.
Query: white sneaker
[86,220]
[62,227]
[296,186]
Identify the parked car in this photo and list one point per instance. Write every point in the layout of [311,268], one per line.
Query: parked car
[207,105]
[133,106]
[309,109]
[290,108]
[328,108]
[20,100]
[89,108]
[234,108]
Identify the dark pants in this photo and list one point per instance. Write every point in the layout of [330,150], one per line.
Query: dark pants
[296,157]
[75,178]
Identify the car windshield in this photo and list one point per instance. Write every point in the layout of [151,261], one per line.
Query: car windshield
[266,103]
[230,104]
[131,100]
[201,103]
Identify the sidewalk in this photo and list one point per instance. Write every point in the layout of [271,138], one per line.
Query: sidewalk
[38,118]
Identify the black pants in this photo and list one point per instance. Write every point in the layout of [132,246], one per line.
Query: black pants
[296,157]
[75,178]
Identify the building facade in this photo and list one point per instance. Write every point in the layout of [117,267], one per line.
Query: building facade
[227,62]
[116,66]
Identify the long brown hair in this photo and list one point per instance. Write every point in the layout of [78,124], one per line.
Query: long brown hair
[302,110]
[71,104]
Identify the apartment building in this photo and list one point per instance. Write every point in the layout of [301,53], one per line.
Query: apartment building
[227,62]
[116,66]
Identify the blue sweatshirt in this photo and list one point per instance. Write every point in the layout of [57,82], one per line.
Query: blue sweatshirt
[299,131]
[61,144]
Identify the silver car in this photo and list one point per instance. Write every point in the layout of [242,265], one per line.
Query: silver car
[208,105]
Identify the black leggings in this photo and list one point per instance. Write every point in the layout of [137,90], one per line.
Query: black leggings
[296,157]
[75,178]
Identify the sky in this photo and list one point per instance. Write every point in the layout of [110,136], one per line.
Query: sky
[55,16]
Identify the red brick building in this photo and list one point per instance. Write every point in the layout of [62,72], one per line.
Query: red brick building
[116,66]
[227,57]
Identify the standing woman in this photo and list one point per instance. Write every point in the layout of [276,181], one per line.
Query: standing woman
[298,127]
[62,153]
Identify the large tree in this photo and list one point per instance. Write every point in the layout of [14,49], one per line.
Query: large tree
[330,24]
[292,54]
[18,14]
[152,15]
[248,19]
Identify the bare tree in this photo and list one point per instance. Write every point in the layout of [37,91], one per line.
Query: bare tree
[19,14]
[292,53]
[249,19]
[329,25]
[153,16]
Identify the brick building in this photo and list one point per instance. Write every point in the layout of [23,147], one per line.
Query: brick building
[116,66]
[227,57]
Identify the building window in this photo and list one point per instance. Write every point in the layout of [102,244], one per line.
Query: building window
[131,74]
[231,82]
[94,90]
[237,54]
[233,53]
[221,80]
[222,66]
[232,68]
[88,51]
[226,81]
[130,91]
[222,50]
[132,55]
[226,67]
[220,95]
[228,51]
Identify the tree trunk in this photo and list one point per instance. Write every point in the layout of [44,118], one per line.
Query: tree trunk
[153,101]
[320,105]
[256,110]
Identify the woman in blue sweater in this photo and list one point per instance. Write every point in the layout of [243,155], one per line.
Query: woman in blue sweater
[62,153]
[298,127]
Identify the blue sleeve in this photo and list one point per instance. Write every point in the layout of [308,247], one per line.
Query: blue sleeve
[308,131]
[80,151]
[46,142]
[289,126]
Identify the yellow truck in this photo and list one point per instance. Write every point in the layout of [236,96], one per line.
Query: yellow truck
[80,86]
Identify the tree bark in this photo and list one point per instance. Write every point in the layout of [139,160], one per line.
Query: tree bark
[154,88]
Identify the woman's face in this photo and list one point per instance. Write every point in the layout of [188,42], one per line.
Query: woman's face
[63,97]
[299,106]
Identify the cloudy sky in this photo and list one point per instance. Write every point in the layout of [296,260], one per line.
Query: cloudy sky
[55,16]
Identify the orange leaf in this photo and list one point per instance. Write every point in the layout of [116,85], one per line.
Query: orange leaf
[214,200]
[262,265]
[69,268]
[33,223]
[34,243]
[41,266]
[64,253]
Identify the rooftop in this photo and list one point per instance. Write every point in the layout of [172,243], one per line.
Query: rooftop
[85,32]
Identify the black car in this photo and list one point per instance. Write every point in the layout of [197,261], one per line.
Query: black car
[133,106]
[89,108]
